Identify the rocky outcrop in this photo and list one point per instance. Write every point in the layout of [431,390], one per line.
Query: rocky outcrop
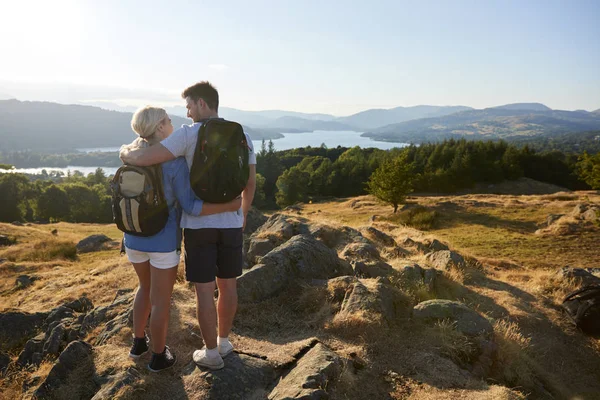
[6,241]
[302,257]
[311,377]
[111,384]
[584,276]
[75,361]
[382,238]
[468,321]
[254,220]
[372,269]
[92,243]
[17,327]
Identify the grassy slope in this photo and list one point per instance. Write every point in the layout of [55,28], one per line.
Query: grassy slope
[516,287]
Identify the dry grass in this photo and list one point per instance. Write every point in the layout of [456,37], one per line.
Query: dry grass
[42,250]
[515,284]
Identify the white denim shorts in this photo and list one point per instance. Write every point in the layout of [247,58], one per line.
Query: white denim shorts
[157,260]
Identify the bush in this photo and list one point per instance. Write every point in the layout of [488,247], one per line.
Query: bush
[418,217]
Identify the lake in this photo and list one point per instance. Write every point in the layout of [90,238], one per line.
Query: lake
[289,141]
[303,139]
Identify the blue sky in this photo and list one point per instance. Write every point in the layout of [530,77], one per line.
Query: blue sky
[336,57]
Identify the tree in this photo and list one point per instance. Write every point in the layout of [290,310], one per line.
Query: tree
[53,204]
[13,188]
[392,181]
[588,169]
[293,186]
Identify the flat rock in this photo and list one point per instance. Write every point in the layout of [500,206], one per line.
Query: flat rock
[372,269]
[243,377]
[468,321]
[314,372]
[92,243]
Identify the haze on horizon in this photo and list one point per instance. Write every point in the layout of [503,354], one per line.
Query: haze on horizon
[336,57]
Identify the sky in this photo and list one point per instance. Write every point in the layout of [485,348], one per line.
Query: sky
[329,56]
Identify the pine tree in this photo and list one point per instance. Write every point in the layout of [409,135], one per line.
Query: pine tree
[392,181]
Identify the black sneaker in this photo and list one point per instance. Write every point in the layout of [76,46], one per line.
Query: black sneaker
[162,361]
[139,347]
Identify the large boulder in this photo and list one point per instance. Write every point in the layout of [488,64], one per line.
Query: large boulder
[309,379]
[301,257]
[58,314]
[82,304]
[446,260]
[254,220]
[75,364]
[257,248]
[17,327]
[468,321]
[92,243]
[361,251]
[282,227]
[375,298]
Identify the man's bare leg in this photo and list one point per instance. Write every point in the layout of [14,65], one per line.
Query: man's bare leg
[206,313]
[226,305]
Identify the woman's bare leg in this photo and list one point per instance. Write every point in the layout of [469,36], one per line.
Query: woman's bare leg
[141,304]
[160,297]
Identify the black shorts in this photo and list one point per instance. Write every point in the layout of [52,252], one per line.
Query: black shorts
[211,252]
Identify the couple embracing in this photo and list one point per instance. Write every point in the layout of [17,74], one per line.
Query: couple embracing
[213,233]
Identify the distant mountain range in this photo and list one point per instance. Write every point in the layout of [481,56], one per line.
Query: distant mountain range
[47,126]
[525,119]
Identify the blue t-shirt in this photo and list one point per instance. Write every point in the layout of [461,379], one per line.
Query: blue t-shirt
[178,194]
[182,142]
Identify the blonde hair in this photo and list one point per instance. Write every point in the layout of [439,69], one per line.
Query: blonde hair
[144,122]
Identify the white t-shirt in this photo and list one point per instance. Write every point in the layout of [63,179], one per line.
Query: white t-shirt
[182,142]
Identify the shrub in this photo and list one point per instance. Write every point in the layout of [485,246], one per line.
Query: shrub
[418,217]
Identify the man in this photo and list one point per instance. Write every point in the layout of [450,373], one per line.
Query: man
[213,244]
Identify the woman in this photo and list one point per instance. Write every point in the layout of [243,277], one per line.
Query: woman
[155,258]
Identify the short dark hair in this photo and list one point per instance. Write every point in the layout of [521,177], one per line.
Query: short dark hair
[205,91]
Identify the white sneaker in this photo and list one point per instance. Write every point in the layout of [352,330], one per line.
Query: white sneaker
[203,360]
[225,349]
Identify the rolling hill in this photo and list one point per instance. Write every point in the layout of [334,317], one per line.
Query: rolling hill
[371,119]
[49,126]
[493,123]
